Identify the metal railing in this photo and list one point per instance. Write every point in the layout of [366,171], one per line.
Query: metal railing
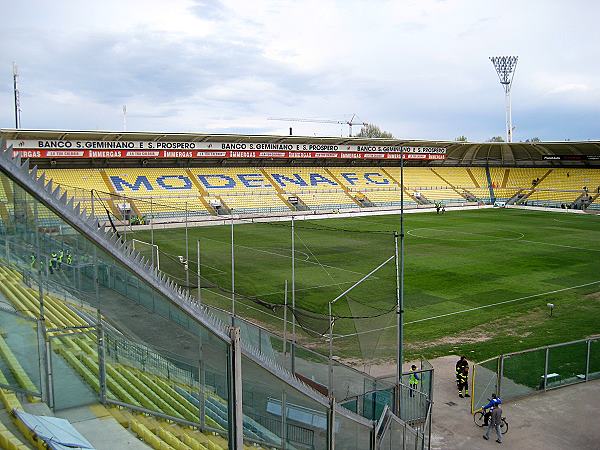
[527,372]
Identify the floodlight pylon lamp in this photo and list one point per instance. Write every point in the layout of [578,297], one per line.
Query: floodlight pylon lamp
[505,68]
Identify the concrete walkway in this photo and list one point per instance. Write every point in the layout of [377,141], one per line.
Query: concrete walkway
[565,418]
[101,429]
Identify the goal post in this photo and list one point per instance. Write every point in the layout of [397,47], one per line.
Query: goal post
[148,250]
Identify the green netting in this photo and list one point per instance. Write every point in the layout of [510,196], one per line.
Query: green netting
[326,262]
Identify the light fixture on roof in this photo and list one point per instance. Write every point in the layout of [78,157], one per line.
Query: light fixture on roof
[505,68]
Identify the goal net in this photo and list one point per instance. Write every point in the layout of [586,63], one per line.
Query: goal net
[148,250]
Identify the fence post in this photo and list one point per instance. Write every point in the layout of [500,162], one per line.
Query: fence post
[331,425]
[472,389]
[101,358]
[431,372]
[587,360]
[430,407]
[500,375]
[546,369]
[202,383]
[374,441]
[50,375]
[283,421]
[236,428]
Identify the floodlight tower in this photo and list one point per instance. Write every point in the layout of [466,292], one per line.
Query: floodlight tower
[16,95]
[505,67]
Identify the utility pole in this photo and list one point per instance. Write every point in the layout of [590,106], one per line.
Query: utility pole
[16,94]
[505,68]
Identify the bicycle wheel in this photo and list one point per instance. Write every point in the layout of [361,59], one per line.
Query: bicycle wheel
[478,418]
[504,426]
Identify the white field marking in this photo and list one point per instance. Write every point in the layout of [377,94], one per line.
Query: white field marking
[577,221]
[211,267]
[306,255]
[315,287]
[562,245]
[478,307]
[483,236]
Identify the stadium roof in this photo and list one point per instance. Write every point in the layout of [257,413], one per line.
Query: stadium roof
[461,153]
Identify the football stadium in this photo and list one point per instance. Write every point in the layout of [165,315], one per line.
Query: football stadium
[214,291]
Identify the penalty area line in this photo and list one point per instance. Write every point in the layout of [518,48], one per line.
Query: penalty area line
[454,313]
[561,245]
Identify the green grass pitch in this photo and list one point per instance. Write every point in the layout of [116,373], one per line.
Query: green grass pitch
[476,282]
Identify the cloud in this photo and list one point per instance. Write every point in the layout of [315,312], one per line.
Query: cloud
[417,68]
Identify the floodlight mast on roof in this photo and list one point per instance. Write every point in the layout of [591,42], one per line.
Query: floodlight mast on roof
[505,68]
[16,95]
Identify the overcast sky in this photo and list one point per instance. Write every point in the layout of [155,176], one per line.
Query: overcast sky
[418,69]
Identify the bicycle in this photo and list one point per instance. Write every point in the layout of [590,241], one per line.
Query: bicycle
[479,420]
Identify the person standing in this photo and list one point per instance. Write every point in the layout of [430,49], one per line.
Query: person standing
[462,376]
[53,262]
[413,380]
[495,421]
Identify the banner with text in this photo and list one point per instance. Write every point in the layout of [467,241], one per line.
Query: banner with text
[250,150]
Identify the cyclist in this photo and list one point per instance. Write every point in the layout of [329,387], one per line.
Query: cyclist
[487,409]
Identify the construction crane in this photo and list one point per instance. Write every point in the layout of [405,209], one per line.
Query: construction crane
[350,122]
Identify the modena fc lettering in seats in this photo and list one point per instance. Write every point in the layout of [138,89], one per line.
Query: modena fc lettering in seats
[250,180]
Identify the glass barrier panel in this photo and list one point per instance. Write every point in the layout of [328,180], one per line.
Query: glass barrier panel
[263,399]
[19,350]
[347,382]
[351,434]
[183,374]
[313,366]
[485,382]
[75,371]
[523,374]
[306,419]
[374,403]
[166,383]
[413,406]
[594,370]
[350,405]
[566,364]
[400,435]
